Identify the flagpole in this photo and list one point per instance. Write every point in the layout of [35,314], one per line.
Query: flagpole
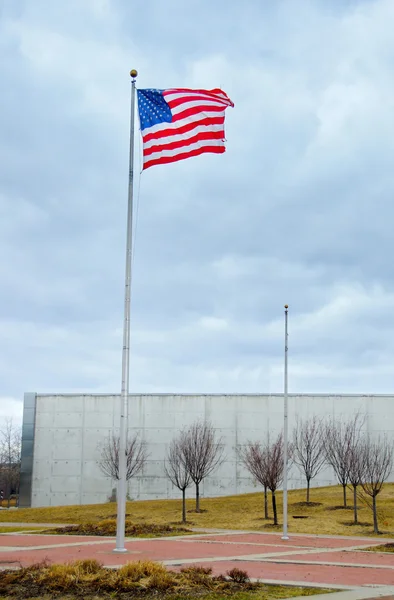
[122,482]
[285,432]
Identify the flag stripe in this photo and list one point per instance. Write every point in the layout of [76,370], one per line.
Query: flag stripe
[185,135]
[200,136]
[217,95]
[178,115]
[182,99]
[179,123]
[182,155]
[193,146]
[164,129]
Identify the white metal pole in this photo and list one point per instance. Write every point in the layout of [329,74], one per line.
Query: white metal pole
[285,432]
[122,482]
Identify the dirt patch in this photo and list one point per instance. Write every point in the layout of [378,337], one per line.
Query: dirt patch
[306,504]
[108,527]
[353,524]
[343,507]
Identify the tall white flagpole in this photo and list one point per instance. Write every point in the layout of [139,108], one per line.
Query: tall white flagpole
[285,432]
[122,482]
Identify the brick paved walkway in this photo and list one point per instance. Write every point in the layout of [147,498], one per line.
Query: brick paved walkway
[325,561]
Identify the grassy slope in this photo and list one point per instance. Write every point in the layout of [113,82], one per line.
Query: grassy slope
[230,512]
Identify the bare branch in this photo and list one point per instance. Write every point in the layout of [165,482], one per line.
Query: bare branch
[275,457]
[254,457]
[136,457]
[376,464]
[176,471]
[175,467]
[202,454]
[266,464]
[340,440]
[308,448]
[10,457]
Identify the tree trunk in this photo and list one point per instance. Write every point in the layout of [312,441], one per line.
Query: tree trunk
[308,485]
[375,516]
[9,476]
[265,502]
[355,504]
[274,508]
[344,495]
[184,505]
[197,497]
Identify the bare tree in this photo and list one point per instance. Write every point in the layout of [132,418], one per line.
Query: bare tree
[202,453]
[377,464]
[308,449]
[176,470]
[355,473]
[340,438]
[255,459]
[265,463]
[10,457]
[136,456]
[275,456]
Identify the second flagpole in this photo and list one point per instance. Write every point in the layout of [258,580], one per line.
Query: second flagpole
[285,430]
[124,398]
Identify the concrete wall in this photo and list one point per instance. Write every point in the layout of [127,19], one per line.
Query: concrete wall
[68,431]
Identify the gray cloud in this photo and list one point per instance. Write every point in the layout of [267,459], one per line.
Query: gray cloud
[298,210]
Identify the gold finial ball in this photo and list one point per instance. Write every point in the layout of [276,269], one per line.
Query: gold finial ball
[133,73]
[286,306]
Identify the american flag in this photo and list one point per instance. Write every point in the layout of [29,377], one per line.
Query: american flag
[179,123]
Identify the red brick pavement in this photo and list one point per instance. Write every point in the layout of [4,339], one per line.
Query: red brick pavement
[365,558]
[319,574]
[300,541]
[263,556]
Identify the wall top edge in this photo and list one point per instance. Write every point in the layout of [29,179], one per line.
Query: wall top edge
[218,395]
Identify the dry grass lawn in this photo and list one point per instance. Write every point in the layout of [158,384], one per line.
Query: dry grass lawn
[19,529]
[232,512]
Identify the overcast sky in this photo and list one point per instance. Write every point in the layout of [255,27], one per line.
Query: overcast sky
[299,209]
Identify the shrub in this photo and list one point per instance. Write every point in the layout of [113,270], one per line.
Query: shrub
[85,578]
[238,576]
[141,569]
[198,575]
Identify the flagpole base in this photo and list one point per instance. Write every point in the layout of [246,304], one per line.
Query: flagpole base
[119,550]
[285,538]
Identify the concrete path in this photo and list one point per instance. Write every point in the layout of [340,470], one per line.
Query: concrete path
[321,561]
